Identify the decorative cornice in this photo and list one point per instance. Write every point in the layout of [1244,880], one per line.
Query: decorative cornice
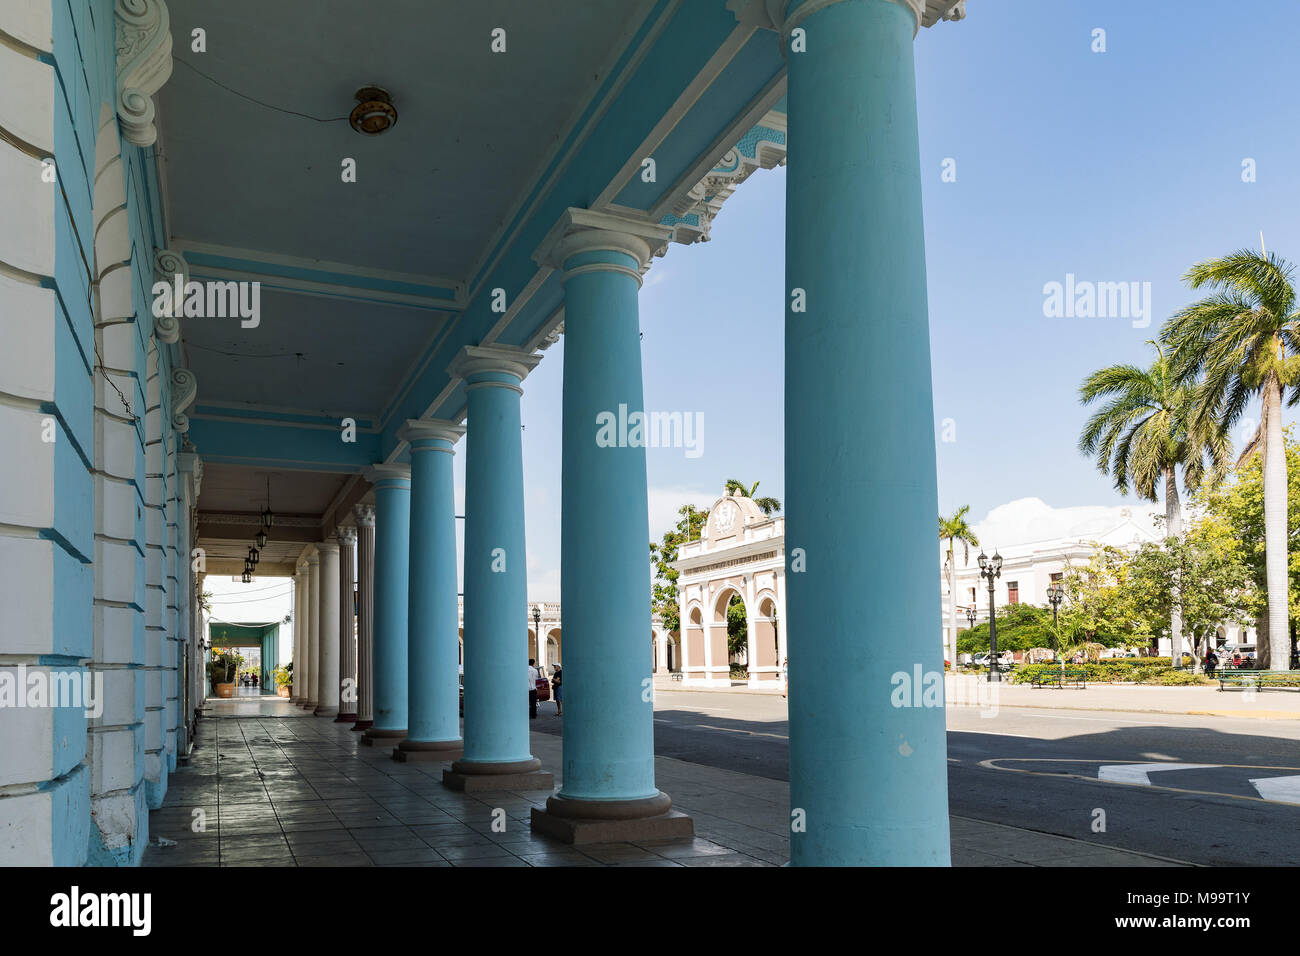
[184,387]
[430,429]
[483,359]
[144,62]
[365,515]
[167,265]
[763,147]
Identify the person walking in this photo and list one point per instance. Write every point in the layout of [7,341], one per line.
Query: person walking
[557,691]
[1211,662]
[785,677]
[532,689]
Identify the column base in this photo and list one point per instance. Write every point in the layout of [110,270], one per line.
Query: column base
[345,719]
[612,821]
[422,751]
[309,704]
[473,776]
[363,725]
[374,737]
[324,711]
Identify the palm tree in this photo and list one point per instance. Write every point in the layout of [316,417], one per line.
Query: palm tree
[1244,339]
[1143,435]
[955,529]
[740,490]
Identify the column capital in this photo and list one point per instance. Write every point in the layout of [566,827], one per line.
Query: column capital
[327,546]
[431,429]
[776,14]
[346,535]
[475,361]
[313,558]
[365,515]
[589,230]
[387,472]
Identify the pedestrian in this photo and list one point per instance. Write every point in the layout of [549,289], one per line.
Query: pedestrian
[1211,662]
[532,689]
[558,691]
[785,677]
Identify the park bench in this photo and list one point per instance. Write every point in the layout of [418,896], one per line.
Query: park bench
[1073,676]
[1244,677]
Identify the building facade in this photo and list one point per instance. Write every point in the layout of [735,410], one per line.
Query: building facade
[242,293]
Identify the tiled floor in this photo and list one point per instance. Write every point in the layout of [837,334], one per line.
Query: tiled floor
[269,785]
[297,790]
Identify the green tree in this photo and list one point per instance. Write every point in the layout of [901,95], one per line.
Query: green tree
[1143,435]
[1239,503]
[1243,340]
[737,626]
[955,529]
[740,490]
[1098,606]
[663,593]
[1216,583]
[1020,627]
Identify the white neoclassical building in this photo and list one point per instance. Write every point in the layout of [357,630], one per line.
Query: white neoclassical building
[1038,545]
[741,552]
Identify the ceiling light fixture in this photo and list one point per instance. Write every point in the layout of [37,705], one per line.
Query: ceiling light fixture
[374,112]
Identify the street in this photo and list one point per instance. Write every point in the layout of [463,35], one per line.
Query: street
[1203,789]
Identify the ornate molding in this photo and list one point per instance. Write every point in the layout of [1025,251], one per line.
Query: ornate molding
[365,515]
[144,62]
[167,265]
[185,386]
[347,536]
[250,518]
[763,147]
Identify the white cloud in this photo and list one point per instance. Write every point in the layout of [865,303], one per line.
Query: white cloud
[1029,520]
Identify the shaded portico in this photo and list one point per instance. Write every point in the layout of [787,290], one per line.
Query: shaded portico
[409,283]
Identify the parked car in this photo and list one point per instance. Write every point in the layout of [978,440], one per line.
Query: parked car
[1005,660]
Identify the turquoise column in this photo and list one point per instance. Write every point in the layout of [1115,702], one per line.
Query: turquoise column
[433,698]
[392,534]
[608,703]
[868,751]
[496,582]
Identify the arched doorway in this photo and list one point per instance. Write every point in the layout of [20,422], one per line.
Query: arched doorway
[728,632]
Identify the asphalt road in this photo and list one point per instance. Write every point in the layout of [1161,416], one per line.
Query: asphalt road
[1236,800]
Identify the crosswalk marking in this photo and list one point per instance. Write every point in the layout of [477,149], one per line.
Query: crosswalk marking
[1137,772]
[1278,789]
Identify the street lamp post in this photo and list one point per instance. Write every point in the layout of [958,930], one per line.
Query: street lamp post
[971,614]
[537,632]
[1055,595]
[991,570]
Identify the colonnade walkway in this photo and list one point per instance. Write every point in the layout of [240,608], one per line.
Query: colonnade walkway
[268,785]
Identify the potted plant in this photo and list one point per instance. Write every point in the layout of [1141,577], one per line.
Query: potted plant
[284,681]
[221,672]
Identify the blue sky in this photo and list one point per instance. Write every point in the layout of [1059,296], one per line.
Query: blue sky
[1116,166]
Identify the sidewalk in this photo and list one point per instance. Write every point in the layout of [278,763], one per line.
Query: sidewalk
[1269,704]
[1137,698]
[277,787]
